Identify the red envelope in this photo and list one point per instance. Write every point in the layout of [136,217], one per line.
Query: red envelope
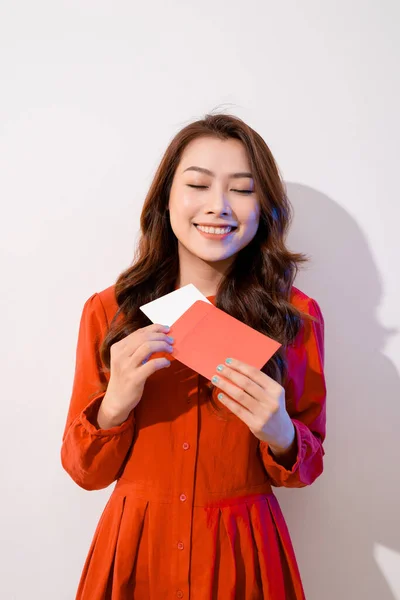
[206,335]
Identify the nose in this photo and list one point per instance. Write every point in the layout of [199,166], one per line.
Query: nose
[218,203]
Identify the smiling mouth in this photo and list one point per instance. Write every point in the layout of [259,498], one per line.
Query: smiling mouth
[215,230]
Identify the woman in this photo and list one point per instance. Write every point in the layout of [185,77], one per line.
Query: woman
[193,514]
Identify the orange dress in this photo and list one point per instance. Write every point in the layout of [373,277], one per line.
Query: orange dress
[192,515]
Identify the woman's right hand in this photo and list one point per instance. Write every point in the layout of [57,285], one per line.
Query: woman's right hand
[128,374]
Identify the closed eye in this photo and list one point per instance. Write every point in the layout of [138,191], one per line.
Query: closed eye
[204,187]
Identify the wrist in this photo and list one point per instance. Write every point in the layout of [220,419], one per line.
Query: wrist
[286,444]
[109,416]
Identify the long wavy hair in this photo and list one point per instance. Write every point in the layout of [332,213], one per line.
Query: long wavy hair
[256,289]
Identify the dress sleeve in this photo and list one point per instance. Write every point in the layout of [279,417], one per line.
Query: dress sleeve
[93,457]
[306,404]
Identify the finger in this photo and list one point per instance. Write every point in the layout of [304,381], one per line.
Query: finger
[143,353]
[238,394]
[251,372]
[237,409]
[153,336]
[158,327]
[242,381]
[153,365]
[153,328]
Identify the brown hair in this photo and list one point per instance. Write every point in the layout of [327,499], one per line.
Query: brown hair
[256,290]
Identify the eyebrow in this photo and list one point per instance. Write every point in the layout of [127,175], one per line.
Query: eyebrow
[208,172]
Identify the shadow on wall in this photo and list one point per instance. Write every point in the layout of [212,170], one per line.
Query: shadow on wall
[336,523]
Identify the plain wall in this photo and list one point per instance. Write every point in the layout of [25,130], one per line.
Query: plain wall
[91,94]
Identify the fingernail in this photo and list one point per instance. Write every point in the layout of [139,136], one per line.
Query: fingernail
[170,339]
[228,361]
[166,327]
[220,367]
[215,379]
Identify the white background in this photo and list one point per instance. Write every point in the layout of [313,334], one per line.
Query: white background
[91,94]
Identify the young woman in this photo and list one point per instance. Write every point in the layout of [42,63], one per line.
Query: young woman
[193,514]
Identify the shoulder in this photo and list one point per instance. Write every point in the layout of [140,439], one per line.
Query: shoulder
[312,331]
[108,300]
[298,298]
[103,303]
[308,306]
[304,303]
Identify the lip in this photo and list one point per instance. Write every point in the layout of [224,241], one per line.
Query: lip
[214,236]
[215,224]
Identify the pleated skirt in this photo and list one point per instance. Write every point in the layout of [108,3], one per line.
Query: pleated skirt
[239,550]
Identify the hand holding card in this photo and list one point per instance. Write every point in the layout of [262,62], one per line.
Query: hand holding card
[205,335]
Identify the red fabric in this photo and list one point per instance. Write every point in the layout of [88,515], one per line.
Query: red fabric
[193,513]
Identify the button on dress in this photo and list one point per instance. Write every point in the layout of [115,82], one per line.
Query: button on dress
[193,514]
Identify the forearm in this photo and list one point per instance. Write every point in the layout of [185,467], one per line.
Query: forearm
[301,465]
[109,417]
[94,456]
[286,455]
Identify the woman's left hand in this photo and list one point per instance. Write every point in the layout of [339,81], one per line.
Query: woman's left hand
[259,401]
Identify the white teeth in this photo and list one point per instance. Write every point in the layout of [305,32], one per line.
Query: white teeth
[215,230]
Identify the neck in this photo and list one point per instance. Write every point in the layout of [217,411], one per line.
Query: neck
[205,276]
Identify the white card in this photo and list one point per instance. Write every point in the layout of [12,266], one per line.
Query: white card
[167,309]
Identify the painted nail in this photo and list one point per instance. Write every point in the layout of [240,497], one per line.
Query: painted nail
[215,379]
[220,396]
[170,339]
[228,361]
[220,367]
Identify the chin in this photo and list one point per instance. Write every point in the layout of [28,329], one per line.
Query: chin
[215,258]
[210,255]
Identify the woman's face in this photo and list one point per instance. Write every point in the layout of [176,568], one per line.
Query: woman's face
[213,187]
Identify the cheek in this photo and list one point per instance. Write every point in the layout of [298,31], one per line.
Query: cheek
[182,211]
[182,204]
[251,217]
